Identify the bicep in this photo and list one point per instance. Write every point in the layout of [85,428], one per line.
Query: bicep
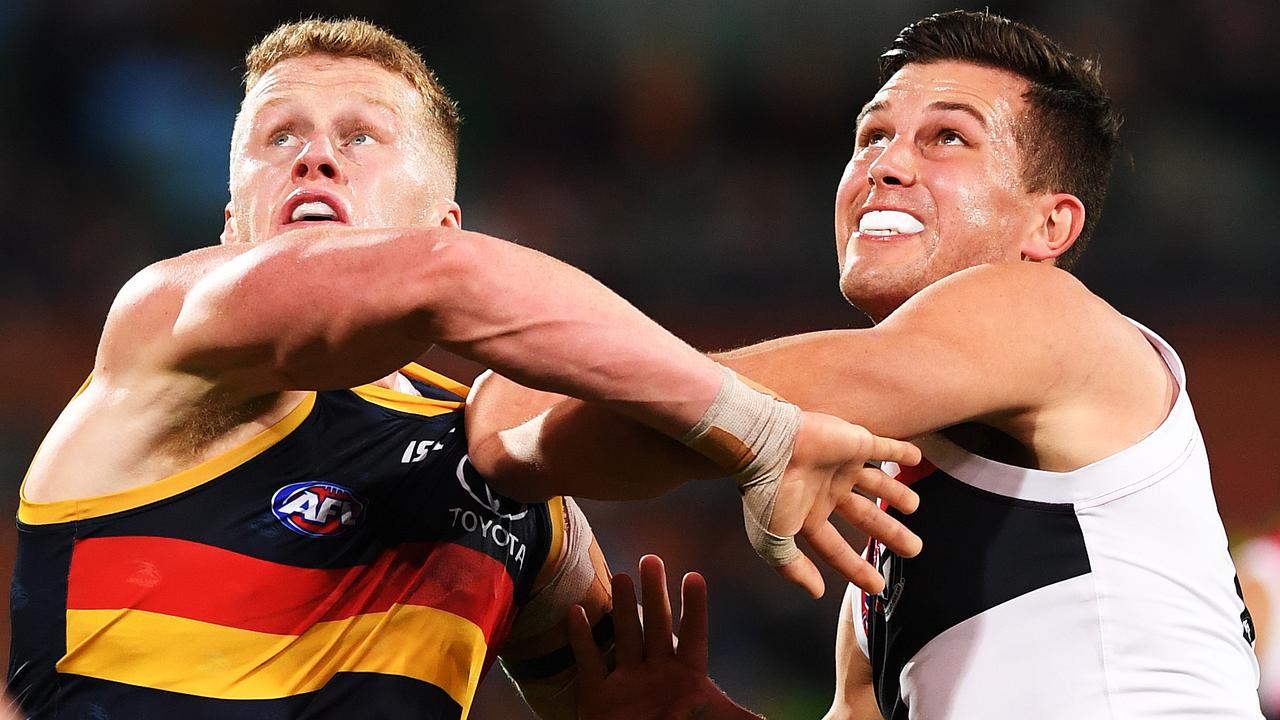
[313,312]
[967,348]
[537,655]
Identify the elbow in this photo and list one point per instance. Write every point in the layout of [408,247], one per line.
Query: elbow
[515,477]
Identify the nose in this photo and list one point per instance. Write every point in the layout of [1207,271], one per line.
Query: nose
[317,160]
[896,164]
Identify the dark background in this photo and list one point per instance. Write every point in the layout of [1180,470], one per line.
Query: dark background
[687,155]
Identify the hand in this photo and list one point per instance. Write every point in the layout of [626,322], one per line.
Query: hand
[828,463]
[652,679]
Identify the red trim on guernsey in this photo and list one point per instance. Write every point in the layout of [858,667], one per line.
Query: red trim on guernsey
[909,474]
[210,584]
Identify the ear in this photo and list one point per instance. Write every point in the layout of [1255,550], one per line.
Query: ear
[1061,220]
[228,235]
[452,216]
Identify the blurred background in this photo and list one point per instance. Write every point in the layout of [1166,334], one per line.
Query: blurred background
[687,155]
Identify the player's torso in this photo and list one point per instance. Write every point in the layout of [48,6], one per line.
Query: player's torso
[346,559]
[1106,592]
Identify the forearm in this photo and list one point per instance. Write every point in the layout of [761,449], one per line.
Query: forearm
[855,376]
[552,327]
[329,308]
[585,450]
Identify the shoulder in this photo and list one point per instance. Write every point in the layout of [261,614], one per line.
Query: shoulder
[141,332]
[147,305]
[1008,285]
[1012,299]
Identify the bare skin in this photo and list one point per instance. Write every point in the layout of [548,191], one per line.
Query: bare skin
[963,289]
[342,260]
[972,296]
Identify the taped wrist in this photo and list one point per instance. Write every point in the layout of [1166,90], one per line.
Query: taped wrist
[751,434]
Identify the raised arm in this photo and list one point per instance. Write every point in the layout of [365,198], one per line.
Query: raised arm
[985,345]
[958,352]
[335,307]
[554,445]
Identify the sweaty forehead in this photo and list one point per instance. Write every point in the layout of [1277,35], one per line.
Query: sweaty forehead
[325,78]
[992,91]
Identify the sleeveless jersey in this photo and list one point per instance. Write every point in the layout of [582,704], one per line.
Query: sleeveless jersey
[1260,557]
[347,560]
[1104,593]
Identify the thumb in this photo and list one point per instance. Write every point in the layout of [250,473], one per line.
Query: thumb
[804,573]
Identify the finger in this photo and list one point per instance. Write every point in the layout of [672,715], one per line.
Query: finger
[857,440]
[829,545]
[804,573]
[657,607]
[899,451]
[873,482]
[692,646]
[591,666]
[866,516]
[628,635]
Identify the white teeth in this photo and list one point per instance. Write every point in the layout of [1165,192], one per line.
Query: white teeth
[314,210]
[889,222]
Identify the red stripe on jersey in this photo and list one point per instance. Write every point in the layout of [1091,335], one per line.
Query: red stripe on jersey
[908,474]
[202,582]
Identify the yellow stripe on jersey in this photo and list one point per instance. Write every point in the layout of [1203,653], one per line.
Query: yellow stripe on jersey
[415,404]
[58,511]
[171,653]
[558,512]
[427,375]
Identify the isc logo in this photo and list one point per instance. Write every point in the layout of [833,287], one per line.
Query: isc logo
[317,509]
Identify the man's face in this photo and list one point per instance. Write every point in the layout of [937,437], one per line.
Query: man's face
[322,139]
[934,185]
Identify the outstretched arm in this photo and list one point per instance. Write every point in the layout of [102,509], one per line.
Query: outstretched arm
[1018,346]
[327,308]
[986,345]
[585,450]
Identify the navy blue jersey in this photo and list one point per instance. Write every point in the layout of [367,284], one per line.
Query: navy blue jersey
[348,558]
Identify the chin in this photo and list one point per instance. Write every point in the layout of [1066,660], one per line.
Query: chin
[880,291]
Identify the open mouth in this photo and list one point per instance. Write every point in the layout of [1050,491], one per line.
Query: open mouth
[886,223]
[314,211]
[310,207]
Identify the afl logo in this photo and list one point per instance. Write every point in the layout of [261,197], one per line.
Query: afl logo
[318,509]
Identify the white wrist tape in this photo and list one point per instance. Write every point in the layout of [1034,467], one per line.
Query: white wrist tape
[751,434]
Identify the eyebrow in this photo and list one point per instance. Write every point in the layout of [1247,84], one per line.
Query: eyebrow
[281,100]
[966,108]
[939,105]
[868,109]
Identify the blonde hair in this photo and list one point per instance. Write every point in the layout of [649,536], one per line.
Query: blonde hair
[353,38]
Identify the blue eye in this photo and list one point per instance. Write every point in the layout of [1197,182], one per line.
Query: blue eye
[283,140]
[361,139]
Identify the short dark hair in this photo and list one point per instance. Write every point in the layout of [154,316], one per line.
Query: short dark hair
[1071,134]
